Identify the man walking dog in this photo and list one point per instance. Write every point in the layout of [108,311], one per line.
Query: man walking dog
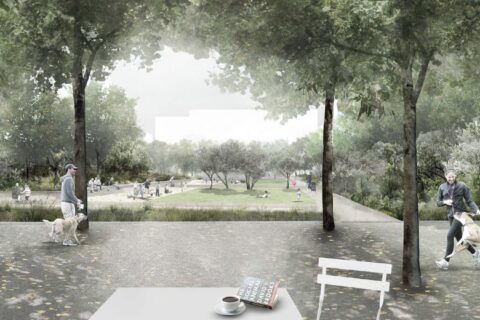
[68,199]
[452,194]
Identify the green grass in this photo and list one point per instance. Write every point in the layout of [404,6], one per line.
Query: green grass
[147,213]
[238,196]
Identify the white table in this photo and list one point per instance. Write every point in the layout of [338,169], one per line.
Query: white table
[186,304]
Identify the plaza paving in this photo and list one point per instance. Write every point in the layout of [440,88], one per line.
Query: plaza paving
[43,280]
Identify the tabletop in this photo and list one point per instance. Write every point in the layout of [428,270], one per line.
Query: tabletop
[186,304]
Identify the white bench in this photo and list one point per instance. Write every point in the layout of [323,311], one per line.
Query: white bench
[378,285]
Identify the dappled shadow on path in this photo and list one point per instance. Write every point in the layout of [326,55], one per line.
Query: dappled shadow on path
[43,280]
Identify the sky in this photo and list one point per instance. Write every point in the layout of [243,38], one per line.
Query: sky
[177,85]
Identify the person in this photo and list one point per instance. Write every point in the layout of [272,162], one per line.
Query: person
[157,189]
[110,183]
[451,194]
[91,185]
[98,182]
[16,192]
[141,189]
[264,195]
[27,192]
[135,190]
[147,186]
[299,194]
[309,181]
[68,200]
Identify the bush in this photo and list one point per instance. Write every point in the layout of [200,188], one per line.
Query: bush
[432,213]
[147,213]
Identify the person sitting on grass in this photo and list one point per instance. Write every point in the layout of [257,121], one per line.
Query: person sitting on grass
[263,195]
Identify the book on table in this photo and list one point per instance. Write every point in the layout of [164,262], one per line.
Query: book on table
[259,292]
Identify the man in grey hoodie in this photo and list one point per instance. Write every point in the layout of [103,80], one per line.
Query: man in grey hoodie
[68,198]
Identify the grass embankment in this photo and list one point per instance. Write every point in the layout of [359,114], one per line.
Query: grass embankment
[35,212]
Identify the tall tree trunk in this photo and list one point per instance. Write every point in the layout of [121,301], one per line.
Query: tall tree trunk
[80,145]
[411,274]
[327,167]
[288,180]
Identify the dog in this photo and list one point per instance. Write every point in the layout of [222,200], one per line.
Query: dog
[65,227]
[471,233]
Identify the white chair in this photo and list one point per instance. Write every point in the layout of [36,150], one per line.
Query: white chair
[378,285]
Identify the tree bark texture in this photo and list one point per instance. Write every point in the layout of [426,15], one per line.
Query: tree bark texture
[80,148]
[80,140]
[327,167]
[411,273]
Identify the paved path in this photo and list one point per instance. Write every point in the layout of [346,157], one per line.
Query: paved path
[347,210]
[42,280]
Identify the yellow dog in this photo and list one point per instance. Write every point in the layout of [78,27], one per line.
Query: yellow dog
[471,233]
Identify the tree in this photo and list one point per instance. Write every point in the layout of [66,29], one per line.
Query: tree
[158,152]
[287,44]
[69,42]
[286,162]
[253,164]
[128,159]
[34,127]
[228,160]
[182,155]
[398,39]
[466,155]
[206,157]
[111,118]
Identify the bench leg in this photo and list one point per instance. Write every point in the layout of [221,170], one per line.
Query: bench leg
[382,294]
[320,300]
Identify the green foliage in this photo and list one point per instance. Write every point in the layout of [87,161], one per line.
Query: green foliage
[38,213]
[128,161]
[110,118]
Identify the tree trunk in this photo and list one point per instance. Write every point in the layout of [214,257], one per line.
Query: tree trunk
[97,155]
[288,180]
[327,167]
[411,274]
[80,145]
[247,181]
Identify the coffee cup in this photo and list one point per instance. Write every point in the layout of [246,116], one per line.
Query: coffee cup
[231,303]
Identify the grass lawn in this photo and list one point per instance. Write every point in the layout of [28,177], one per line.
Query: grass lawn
[237,195]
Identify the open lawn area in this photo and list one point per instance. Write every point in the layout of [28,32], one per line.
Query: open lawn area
[238,196]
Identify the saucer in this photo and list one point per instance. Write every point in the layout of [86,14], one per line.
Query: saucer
[221,310]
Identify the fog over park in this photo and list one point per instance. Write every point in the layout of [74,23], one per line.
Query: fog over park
[178,83]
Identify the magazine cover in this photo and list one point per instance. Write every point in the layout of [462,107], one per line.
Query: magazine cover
[259,292]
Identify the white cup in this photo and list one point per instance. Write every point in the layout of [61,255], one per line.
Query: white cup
[231,303]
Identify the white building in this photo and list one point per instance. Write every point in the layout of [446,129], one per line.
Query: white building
[243,125]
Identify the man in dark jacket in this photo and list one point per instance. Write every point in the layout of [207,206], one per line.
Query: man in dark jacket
[452,194]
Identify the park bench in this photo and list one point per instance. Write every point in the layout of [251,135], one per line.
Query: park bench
[378,285]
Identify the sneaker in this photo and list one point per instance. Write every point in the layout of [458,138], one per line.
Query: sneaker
[476,258]
[442,264]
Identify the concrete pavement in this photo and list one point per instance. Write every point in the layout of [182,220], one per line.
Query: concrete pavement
[43,280]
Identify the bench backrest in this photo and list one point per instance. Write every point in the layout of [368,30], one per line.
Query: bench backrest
[351,282]
[379,285]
